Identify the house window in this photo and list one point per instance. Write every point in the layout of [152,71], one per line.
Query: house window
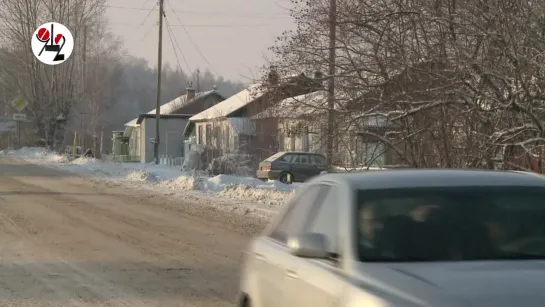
[218,137]
[199,135]
[372,154]
[227,138]
[208,138]
[292,142]
[304,141]
[280,142]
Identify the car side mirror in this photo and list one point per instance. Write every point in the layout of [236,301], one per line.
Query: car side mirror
[309,245]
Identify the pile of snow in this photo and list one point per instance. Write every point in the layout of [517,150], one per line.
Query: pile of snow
[165,179]
[140,176]
[342,169]
[193,159]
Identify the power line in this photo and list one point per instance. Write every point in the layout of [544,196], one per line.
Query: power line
[147,16]
[193,12]
[191,40]
[174,41]
[146,2]
[141,25]
[140,39]
[202,25]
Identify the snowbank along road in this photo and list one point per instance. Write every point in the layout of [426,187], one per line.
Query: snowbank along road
[72,241]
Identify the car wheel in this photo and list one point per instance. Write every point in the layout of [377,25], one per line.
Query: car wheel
[286,178]
[245,302]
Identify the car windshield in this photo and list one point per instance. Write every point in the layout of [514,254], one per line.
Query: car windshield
[451,224]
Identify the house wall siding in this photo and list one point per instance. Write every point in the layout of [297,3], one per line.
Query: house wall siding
[144,138]
[222,135]
[171,138]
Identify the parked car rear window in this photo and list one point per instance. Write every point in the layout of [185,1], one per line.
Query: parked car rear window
[451,224]
[286,158]
[274,157]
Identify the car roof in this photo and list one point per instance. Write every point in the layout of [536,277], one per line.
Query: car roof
[418,178]
[299,152]
[281,153]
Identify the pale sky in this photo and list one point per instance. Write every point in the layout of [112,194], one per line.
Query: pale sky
[233,35]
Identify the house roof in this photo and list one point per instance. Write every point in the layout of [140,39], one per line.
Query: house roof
[165,116]
[231,104]
[298,106]
[174,105]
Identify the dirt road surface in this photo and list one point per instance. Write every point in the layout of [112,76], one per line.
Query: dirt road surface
[69,241]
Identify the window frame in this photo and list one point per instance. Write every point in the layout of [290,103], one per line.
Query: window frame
[208,135]
[308,159]
[280,159]
[309,224]
[313,156]
[199,136]
[272,232]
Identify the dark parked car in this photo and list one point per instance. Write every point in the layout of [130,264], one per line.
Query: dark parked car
[289,167]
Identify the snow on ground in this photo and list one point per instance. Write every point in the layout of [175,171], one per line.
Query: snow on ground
[244,194]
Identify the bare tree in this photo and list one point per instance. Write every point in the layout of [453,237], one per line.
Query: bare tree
[50,91]
[459,82]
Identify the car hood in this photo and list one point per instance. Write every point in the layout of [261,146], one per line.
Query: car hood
[486,283]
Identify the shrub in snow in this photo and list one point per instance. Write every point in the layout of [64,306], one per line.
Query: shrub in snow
[193,160]
[138,176]
[231,164]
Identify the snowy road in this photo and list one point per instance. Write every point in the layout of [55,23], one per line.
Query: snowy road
[67,241]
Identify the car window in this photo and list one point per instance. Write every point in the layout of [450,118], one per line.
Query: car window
[325,219]
[317,160]
[293,221]
[286,158]
[450,224]
[274,157]
[304,159]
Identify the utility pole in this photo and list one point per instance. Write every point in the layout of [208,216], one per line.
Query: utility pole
[198,81]
[331,81]
[82,115]
[18,123]
[159,66]
[83,78]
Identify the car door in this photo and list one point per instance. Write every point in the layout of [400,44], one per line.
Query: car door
[303,169]
[318,282]
[319,162]
[283,163]
[271,251]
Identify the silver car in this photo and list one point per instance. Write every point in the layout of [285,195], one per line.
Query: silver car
[437,238]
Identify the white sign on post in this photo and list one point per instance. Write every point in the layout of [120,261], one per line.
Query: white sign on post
[7,126]
[19,116]
[19,104]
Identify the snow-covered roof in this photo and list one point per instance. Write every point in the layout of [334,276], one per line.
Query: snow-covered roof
[132,123]
[173,106]
[231,104]
[293,107]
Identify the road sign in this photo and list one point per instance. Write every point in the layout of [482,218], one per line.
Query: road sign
[19,104]
[19,116]
[6,126]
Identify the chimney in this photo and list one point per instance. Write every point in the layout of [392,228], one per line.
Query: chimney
[318,79]
[190,91]
[273,76]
